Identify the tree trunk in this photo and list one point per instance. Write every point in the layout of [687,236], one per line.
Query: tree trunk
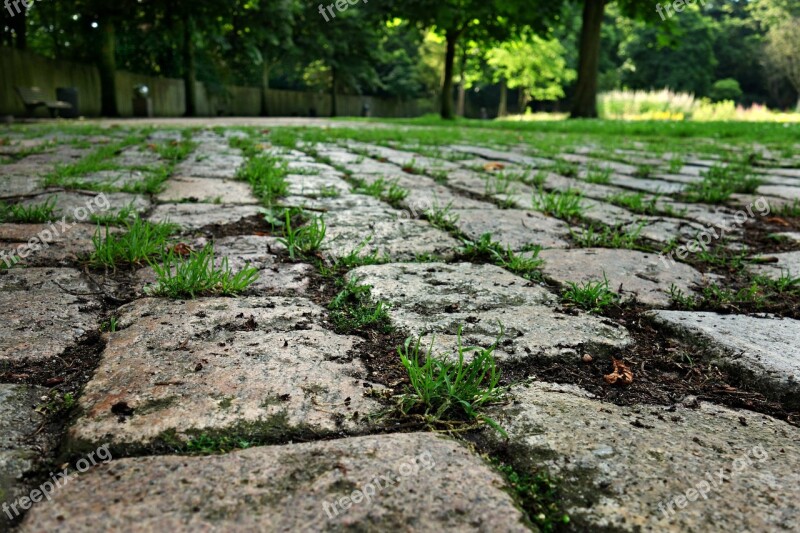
[462,85]
[502,111]
[189,69]
[107,67]
[585,104]
[523,101]
[334,102]
[264,88]
[447,87]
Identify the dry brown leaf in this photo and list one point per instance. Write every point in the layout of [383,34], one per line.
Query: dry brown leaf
[491,167]
[182,249]
[779,221]
[622,375]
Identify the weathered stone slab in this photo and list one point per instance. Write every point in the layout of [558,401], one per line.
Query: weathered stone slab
[275,278]
[514,228]
[195,216]
[643,468]
[67,247]
[762,350]
[316,186]
[385,231]
[39,319]
[18,453]
[402,158]
[111,178]
[205,190]
[781,191]
[206,162]
[12,186]
[436,298]
[631,274]
[431,484]
[183,368]
[74,205]
[788,264]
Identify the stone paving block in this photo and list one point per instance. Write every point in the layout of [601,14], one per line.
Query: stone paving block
[205,190]
[780,191]
[71,245]
[19,450]
[788,264]
[632,274]
[434,299]
[502,155]
[192,217]
[111,178]
[430,484]
[275,278]
[39,319]
[211,365]
[205,163]
[386,231]
[403,158]
[762,350]
[12,186]
[73,205]
[625,468]
[316,186]
[514,228]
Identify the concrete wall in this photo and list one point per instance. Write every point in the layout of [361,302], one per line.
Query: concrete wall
[22,68]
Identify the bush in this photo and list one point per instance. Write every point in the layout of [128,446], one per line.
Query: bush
[727,89]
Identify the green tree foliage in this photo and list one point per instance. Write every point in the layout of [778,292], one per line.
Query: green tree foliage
[727,89]
[535,66]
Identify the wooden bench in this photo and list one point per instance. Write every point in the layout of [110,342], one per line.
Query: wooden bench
[33,98]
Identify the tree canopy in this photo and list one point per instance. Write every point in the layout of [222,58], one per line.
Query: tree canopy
[545,51]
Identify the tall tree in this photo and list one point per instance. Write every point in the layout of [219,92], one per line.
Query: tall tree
[585,101]
[481,19]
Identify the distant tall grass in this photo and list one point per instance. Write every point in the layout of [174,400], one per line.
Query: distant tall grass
[669,105]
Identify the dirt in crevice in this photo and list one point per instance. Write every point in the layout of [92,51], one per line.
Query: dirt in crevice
[666,371]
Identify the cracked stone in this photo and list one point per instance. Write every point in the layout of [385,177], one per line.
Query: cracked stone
[434,299]
[415,481]
[264,362]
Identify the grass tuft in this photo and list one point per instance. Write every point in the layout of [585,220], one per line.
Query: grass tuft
[443,391]
[564,205]
[593,296]
[32,214]
[354,309]
[304,240]
[197,275]
[136,245]
[267,176]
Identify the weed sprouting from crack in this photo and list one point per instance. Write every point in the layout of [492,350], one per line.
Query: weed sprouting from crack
[565,205]
[593,296]
[446,392]
[198,275]
[354,309]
